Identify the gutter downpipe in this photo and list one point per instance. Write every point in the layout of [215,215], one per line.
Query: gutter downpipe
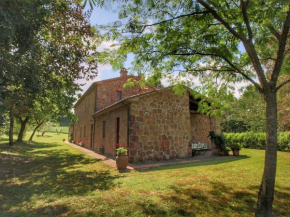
[128,127]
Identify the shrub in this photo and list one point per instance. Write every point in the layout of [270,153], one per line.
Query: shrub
[121,150]
[219,141]
[257,140]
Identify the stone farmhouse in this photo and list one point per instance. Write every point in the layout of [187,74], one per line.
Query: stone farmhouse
[153,124]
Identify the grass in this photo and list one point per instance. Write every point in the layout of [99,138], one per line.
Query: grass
[49,178]
[63,130]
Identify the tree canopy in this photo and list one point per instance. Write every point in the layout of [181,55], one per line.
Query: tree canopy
[42,66]
[220,41]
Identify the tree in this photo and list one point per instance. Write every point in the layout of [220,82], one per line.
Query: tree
[55,56]
[248,112]
[20,21]
[284,106]
[229,40]
[56,105]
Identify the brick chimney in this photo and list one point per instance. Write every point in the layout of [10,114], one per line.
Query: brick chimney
[123,72]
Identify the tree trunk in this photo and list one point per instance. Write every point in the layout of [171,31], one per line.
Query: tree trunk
[266,192]
[31,137]
[22,129]
[11,117]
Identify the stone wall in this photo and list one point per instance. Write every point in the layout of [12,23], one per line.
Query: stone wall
[215,125]
[107,91]
[109,142]
[200,127]
[159,127]
[84,111]
[106,95]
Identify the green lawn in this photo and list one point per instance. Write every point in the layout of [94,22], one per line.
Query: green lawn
[49,178]
[63,130]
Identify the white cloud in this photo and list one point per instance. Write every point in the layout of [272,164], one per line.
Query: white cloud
[106,45]
[239,88]
[104,67]
[189,79]
[87,84]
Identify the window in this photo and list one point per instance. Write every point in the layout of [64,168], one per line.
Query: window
[84,131]
[119,95]
[104,129]
[81,133]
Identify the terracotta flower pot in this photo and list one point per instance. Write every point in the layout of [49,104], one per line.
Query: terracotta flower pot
[236,152]
[122,161]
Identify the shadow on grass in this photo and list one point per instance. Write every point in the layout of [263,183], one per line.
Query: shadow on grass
[44,136]
[195,201]
[202,162]
[25,147]
[216,199]
[53,173]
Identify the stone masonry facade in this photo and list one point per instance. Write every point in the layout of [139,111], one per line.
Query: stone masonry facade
[82,130]
[100,95]
[152,124]
[109,140]
[159,124]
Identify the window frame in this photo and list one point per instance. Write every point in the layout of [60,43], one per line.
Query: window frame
[119,95]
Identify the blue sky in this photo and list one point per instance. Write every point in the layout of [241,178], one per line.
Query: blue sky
[104,16]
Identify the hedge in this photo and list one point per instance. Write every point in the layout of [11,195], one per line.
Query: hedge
[257,140]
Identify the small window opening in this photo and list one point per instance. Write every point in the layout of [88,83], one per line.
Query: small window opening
[119,95]
[104,129]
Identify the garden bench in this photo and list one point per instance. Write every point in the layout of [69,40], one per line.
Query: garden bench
[199,148]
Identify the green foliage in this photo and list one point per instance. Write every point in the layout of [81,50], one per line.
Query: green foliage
[232,126]
[38,79]
[246,113]
[257,140]
[284,105]
[4,130]
[199,44]
[121,151]
[233,145]
[219,141]
[46,127]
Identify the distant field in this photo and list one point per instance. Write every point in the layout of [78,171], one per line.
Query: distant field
[63,129]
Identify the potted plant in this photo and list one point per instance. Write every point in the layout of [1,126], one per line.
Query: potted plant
[122,157]
[81,144]
[101,150]
[220,143]
[236,147]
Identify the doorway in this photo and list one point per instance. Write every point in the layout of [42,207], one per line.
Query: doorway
[117,130]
